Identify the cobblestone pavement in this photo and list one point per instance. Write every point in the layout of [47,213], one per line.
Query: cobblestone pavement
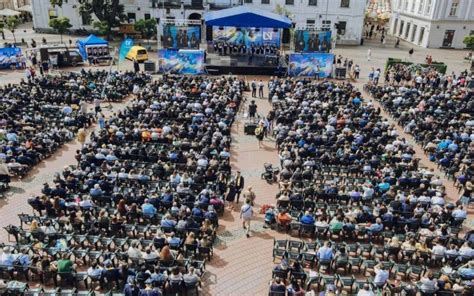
[240,266]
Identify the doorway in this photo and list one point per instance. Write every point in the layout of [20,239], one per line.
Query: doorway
[448,38]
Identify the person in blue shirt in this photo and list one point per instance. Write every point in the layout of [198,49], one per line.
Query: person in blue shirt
[96,192]
[167,221]
[197,212]
[375,228]
[307,219]
[325,253]
[148,209]
[167,198]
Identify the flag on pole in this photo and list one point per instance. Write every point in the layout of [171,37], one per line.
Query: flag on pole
[125,48]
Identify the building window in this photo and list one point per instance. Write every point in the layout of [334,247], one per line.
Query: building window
[400,31]
[400,4]
[428,6]
[313,2]
[413,3]
[265,1]
[52,14]
[422,34]
[420,8]
[248,1]
[406,5]
[131,17]
[326,25]
[310,22]
[86,18]
[407,30]
[454,8]
[415,27]
[289,2]
[345,3]
[147,16]
[341,28]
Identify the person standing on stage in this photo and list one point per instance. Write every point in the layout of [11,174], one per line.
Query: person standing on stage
[260,89]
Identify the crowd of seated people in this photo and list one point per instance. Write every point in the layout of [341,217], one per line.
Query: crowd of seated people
[140,209]
[40,115]
[438,113]
[347,175]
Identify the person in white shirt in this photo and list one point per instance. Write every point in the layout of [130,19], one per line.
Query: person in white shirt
[438,250]
[246,213]
[381,275]
[365,291]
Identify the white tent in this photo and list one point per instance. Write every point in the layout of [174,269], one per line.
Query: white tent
[9,12]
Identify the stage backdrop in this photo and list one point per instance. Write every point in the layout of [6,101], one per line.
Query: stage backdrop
[181,37]
[181,61]
[312,41]
[246,36]
[6,54]
[310,64]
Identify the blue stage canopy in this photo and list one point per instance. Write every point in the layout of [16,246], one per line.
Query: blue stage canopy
[244,16]
[90,40]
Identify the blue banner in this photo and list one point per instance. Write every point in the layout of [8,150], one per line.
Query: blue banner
[311,64]
[181,61]
[125,48]
[6,55]
[181,37]
[312,41]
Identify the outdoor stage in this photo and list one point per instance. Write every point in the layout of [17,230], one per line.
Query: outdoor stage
[219,65]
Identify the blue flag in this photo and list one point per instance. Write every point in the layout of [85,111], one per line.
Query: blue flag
[125,48]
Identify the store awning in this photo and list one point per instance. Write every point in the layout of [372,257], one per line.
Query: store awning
[9,12]
[244,16]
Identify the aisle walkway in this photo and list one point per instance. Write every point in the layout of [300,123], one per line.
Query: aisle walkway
[242,266]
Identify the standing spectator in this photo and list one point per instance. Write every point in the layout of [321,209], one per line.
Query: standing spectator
[136,66]
[246,213]
[369,54]
[260,89]
[239,184]
[249,194]
[252,109]
[381,276]
[253,84]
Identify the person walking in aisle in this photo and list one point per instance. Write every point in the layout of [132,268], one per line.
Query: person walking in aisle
[254,88]
[369,54]
[246,213]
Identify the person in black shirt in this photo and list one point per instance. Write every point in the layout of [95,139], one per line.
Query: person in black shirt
[252,109]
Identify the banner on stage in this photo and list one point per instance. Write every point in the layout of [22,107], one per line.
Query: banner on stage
[181,37]
[247,36]
[312,41]
[8,56]
[311,64]
[189,62]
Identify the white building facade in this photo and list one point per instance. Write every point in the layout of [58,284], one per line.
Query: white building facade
[347,14]
[433,23]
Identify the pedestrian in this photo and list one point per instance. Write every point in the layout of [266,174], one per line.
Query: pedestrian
[231,194]
[101,120]
[397,43]
[246,213]
[252,109]
[357,71]
[81,136]
[253,84]
[260,89]
[369,54]
[239,184]
[410,53]
[249,194]
[260,133]
[136,66]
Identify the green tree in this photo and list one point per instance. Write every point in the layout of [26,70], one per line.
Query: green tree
[61,25]
[147,28]
[12,24]
[108,12]
[101,27]
[469,41]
